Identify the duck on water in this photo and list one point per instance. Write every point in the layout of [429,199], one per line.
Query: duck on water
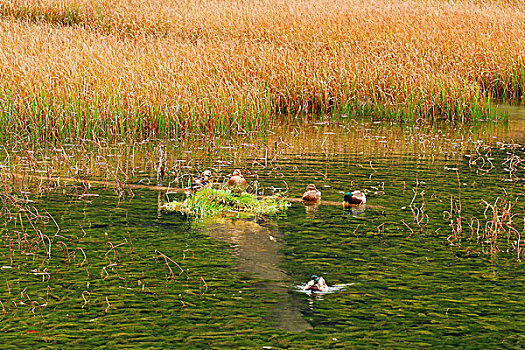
[312,194]
[316,283]
[355,197]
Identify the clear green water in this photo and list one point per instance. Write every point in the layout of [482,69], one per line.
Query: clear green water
[240,281]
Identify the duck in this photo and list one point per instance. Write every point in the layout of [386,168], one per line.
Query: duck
[312,194]
[356,197]
[237,181]
[204,181]
[317,284]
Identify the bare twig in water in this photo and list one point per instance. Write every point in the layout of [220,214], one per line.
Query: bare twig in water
[130,242]
[83,253]
[410,228]
[355,231]
[65,251]
[109,305]
[86,301]
[203,282]
[166,259]
[186,250]
[39,309]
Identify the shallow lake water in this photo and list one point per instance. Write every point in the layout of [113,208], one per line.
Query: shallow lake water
[95,266]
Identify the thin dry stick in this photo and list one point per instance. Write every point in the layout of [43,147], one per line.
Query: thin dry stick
[130,242]
[205,285]
[459,193]
[410,228]
[166,258]
[370,177]
[186,250]
[355,231]
[115,252]
[24,292]
[109,305]
[8,290]
[86,301]
[65,251]
[102,271]
[39,309]
[381,226]
[83,253]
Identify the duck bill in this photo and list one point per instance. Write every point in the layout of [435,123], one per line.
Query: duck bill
[309,285]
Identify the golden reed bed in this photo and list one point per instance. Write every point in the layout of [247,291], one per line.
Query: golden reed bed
[160,68]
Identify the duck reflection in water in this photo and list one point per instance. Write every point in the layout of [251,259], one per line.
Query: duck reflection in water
[311,209]
[358,210]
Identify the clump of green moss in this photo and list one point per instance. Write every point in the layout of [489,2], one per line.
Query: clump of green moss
[210,202]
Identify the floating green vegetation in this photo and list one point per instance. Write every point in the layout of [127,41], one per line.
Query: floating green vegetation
[210,202]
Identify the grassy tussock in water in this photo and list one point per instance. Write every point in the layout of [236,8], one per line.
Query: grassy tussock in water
[210,202]
[89,68]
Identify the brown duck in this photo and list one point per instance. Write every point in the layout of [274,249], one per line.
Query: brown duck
[312,194]
[237,181]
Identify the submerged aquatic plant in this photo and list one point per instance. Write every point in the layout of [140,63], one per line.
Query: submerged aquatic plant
[210,202]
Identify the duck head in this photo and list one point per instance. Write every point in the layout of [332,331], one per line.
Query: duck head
[311,187]
[206,174]
[313,280]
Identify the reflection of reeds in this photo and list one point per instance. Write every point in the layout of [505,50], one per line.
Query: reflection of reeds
[134,164]
[87,68]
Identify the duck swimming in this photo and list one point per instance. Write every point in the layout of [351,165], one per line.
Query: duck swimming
[317,284]
[356,197]
[312,194]
[237,181]
[204,181]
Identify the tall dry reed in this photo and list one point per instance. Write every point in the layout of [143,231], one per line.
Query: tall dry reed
[161,68]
